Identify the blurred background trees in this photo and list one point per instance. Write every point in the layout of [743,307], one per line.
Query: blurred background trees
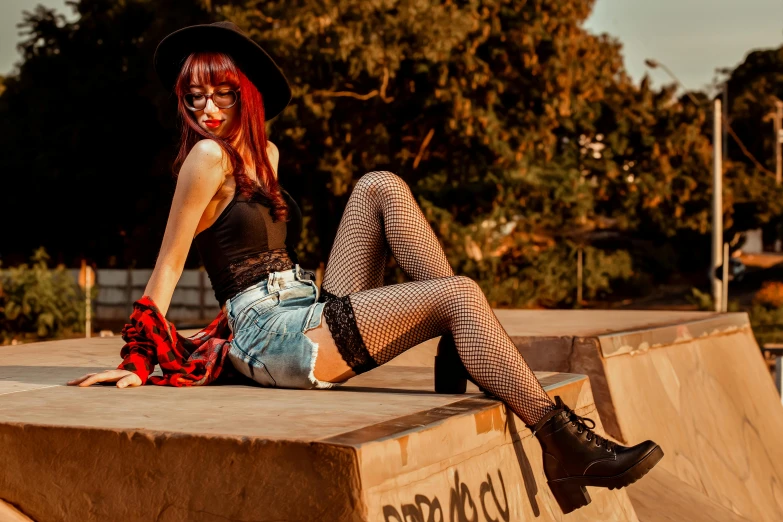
[519,132]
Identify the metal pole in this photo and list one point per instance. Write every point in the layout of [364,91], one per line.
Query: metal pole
[778,158]
[717,204]
[88,281]
[779,375]
[724,306]
[725,118]
[579,277]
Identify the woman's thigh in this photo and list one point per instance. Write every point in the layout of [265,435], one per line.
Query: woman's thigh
[329,365]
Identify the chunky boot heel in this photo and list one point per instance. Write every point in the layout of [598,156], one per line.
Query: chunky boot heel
[575,457]
[450,374]
[569,496]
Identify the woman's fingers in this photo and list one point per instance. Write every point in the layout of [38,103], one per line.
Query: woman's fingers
[129,381]
[80,379]
[124,378]
[107,376]
[104,376]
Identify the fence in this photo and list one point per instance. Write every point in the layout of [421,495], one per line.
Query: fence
[193,301]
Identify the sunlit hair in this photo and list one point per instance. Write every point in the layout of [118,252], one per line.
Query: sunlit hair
[204,68]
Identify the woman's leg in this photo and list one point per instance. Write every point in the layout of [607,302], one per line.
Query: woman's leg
[374,323]
[382,214]
[371,324]
[394,318]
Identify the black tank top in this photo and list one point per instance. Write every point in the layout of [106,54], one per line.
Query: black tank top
[243,245]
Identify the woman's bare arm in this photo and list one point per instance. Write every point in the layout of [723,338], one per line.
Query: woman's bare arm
[201,176]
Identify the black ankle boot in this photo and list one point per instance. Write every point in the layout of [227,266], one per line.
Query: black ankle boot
[575,457]
[451,376]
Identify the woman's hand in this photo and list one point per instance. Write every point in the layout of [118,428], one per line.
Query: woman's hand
[123,378]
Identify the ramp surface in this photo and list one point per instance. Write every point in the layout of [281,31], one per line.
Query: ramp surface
[696,383]
[384,447]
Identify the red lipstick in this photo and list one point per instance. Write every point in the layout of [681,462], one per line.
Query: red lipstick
[213,124]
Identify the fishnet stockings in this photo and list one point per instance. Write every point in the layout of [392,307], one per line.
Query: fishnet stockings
[382,214]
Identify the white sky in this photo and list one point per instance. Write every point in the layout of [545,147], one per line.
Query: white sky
[692,37]
[10,15]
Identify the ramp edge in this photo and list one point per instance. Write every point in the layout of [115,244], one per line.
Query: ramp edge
[640,341]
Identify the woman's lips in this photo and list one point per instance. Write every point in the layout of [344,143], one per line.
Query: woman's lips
[213,124]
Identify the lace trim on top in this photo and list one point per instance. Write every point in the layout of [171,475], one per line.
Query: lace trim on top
[249,270]
[341,321]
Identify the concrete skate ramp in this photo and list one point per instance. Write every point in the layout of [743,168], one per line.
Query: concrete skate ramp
[695,382]
[382,448]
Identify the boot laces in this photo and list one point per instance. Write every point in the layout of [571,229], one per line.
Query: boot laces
[577,420]
[587,424]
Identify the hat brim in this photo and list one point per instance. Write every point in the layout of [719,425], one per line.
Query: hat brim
[254,62]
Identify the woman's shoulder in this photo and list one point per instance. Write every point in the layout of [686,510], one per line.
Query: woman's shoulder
[204,165]
[207,148]
[207,154]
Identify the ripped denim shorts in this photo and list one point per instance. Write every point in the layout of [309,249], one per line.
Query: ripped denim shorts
[268,321]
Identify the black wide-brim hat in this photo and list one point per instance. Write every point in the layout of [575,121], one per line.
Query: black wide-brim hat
[225,37]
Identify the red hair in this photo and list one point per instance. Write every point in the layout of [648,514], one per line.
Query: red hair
[213,69]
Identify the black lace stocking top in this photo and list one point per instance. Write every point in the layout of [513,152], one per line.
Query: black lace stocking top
[244,245]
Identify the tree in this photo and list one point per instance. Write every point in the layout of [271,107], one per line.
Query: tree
[753,88]
[519,132]
[91,133]
[491,111]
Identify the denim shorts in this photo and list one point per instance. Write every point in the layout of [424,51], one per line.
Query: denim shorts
[268,321]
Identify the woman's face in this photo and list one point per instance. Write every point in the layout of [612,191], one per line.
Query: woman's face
[212,118]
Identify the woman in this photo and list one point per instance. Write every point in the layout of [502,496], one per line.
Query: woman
[285,331]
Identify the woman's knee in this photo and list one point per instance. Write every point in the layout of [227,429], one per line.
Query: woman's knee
[467,285]
[459,287]
[462,296]
[382,183]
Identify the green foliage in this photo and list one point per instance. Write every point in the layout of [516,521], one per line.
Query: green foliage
[766,313]
[702,300]
[705,302]
[754,86]
[39,301]
[475,105]
[519,132]
[550,279]
[767,323]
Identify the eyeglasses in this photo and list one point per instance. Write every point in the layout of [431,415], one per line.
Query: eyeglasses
[197,101]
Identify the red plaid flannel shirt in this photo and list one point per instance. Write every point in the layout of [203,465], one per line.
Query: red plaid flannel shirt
[185,361]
